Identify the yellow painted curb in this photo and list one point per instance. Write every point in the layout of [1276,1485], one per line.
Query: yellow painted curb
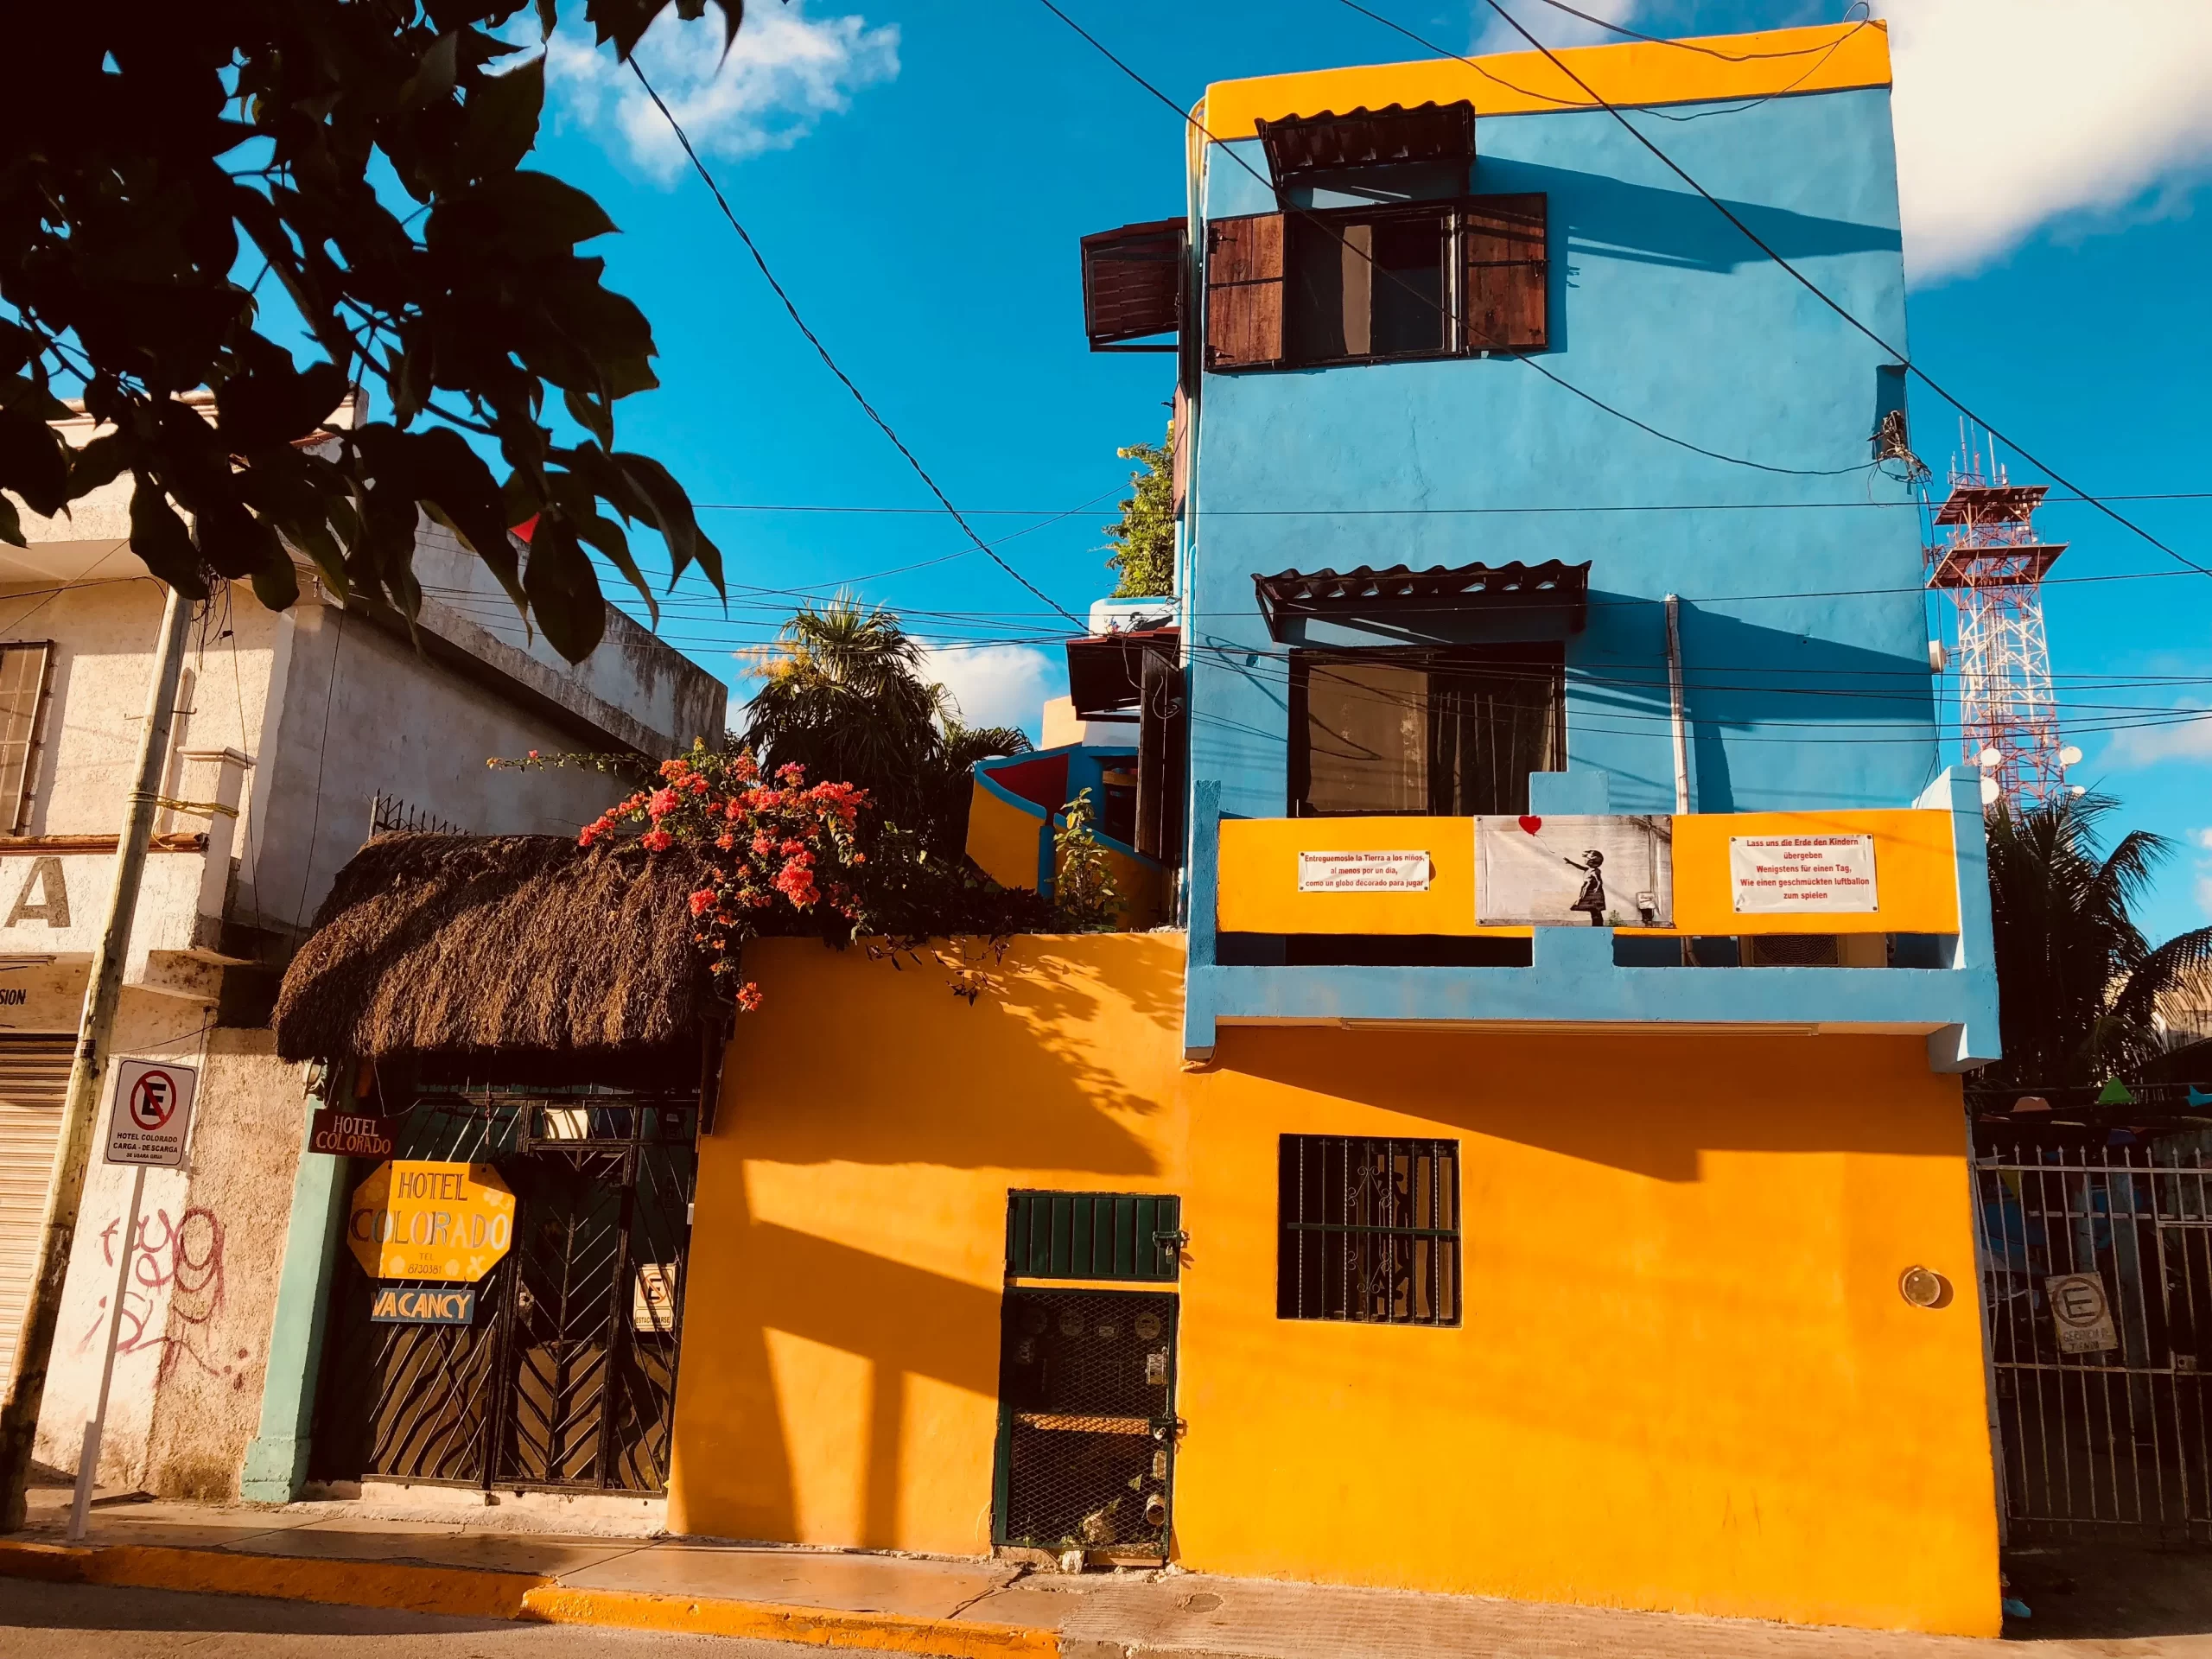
[821,1627]
[466,1592]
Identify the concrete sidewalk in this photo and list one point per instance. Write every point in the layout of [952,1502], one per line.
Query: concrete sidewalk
[331,1552]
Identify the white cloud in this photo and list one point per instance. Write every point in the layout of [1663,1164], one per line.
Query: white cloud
[2187,737]
[2013,114]
[2201,840]
[785,72]
[1552,27]
[995,685]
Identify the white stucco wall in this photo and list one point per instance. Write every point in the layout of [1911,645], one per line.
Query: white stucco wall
[173,1271]
[325,709]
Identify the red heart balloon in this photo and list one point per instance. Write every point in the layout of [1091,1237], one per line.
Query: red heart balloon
[1530,823]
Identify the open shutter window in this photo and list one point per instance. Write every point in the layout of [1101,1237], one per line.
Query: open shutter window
[1133,283]
[1244,292]
[1508,286]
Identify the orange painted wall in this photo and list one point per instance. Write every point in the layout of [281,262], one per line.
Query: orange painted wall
[1685,1378]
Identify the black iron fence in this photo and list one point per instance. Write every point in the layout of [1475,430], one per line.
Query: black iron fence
[2096,1263]
[565,1376]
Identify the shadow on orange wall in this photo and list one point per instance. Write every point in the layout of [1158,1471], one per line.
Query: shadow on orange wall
[1644,1103]
[852,1196]
[1048,1097]
[904,1321]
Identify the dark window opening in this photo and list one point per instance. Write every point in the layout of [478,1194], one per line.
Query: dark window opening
[1380,283]
[1370,951]
[1369,1230]
[1449,733]
[24,673]
[1364,287]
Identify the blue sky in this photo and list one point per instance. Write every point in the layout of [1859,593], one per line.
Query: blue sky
[918,174]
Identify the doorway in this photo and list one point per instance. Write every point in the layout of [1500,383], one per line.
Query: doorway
[1087,1358]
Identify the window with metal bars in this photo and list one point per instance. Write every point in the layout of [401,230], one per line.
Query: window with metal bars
[22,688]
[1369,1230]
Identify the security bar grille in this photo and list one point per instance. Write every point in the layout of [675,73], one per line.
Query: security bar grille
[1369,1230]
[2096,1266]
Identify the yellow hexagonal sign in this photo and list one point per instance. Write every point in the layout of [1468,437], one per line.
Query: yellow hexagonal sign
[419,1220]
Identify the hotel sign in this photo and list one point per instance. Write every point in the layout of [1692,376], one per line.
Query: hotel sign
[351,1134]
[397,1304]
[418,1220]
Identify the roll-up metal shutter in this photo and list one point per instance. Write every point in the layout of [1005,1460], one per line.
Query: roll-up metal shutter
[33,1081]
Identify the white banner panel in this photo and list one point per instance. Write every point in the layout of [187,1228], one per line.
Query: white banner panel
[1576,871]
[1797,874]
[1363,872]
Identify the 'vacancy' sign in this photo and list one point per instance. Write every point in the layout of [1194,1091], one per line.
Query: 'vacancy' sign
[1794,874]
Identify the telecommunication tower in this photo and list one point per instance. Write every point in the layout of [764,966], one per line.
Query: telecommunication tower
[1993,564]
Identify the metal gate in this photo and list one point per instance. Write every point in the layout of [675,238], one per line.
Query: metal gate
[566,1377]
[1087,1420]
[2096,1267]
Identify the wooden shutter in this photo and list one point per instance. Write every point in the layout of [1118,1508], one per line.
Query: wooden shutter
[33,1081]
[1508,290]
[1133,283]
[1244,292]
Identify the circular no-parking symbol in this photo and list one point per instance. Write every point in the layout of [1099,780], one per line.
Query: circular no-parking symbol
[153,1098]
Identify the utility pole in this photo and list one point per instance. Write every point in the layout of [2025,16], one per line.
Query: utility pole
[87,1074]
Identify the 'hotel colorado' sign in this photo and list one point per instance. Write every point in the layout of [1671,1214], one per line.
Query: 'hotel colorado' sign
[414,1220]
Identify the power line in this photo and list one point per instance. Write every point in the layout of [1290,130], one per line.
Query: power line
[1698,46]
[1803,281]
[1049,514]
[829,362]
[1530,362]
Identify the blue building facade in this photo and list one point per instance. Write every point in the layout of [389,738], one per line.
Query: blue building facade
[1517,477]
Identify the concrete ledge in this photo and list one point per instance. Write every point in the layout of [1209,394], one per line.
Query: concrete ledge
[521,1597]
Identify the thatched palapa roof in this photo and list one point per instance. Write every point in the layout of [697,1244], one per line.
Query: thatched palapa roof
[443,943]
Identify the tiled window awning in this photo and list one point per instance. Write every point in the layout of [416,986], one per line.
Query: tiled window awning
[1390,137]
[1402,592]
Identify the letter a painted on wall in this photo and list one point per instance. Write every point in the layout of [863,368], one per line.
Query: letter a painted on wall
[50,890]
[415,1220]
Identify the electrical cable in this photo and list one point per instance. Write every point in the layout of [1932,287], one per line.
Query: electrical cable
[1322,224]
[1367,512]
[822,351]
[1803,281]
[1694,46]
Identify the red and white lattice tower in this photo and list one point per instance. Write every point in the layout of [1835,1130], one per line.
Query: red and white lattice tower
[1993,565]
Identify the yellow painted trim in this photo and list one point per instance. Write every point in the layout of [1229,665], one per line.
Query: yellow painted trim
[1915,871]
[1259,876]
[639,1610]
[524,1598]
[1915,868]
[1826,59]
[1002,838]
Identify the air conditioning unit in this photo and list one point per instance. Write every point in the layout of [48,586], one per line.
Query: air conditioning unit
[1790,950]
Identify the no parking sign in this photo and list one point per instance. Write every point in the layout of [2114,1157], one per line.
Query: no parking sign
[151,1120]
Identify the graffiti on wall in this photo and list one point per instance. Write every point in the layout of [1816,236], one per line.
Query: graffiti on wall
[183,1257]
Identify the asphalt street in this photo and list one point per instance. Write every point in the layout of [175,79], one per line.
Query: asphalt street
[74,1621]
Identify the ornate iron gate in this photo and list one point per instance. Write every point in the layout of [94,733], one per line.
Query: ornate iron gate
[2096,1269]
[566,1377]
[1087,1420]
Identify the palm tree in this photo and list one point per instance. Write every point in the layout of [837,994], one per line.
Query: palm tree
[845,692]
[2078,985]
